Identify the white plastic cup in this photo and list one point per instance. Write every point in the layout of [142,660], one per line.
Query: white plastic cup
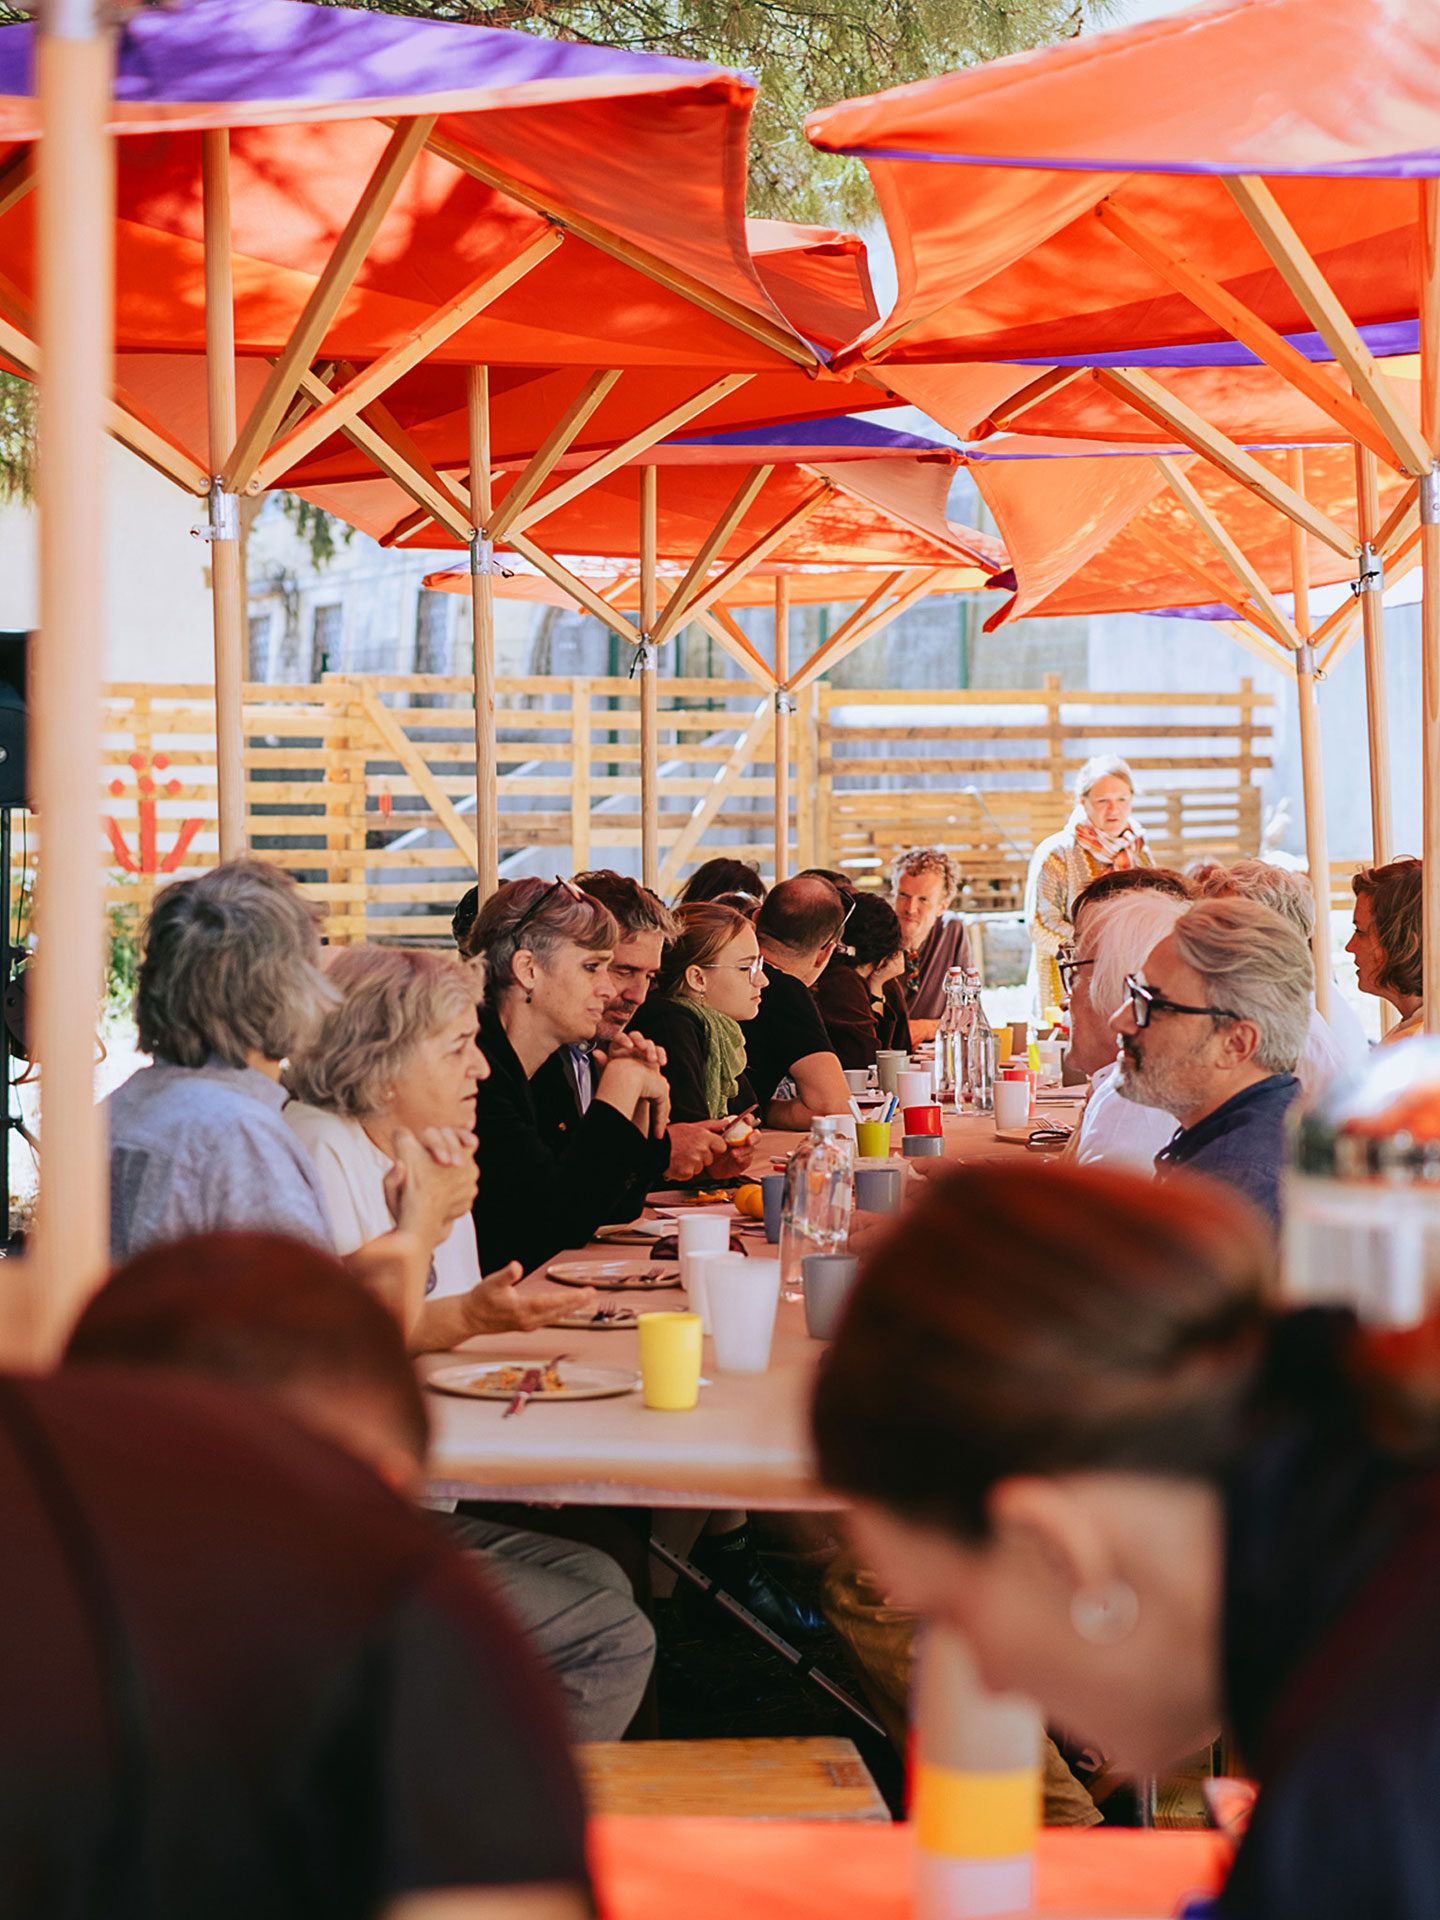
[1052,1062]
[915,1089]
[703,1233]
[694,1269]
[1012,1105]
[742,1294]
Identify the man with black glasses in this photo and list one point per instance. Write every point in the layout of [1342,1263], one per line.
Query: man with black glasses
[1210,1031]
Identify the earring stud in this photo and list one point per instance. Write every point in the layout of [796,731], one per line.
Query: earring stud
[1104,1616]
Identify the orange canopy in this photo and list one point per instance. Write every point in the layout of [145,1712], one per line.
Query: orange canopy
[1090,532]
[1335,103]
[620,586]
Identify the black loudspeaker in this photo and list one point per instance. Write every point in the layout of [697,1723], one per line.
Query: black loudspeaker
[14,651]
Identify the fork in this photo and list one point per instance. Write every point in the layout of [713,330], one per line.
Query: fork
[530,1384]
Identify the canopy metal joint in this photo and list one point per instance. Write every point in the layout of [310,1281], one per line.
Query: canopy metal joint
[224,521]
[1305,661]
[1372,571]
[1429,491]
[785,701]
[482,558]
[647,656]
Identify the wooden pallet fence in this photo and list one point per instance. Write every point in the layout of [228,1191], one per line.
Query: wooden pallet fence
[993,777]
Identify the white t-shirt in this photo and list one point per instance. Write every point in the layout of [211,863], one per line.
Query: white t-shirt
[1117,1132]
[352,1171]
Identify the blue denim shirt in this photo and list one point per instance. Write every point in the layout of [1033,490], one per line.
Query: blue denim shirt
[1242,1142]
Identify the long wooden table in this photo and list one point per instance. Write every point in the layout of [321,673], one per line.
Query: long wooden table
[746,1445]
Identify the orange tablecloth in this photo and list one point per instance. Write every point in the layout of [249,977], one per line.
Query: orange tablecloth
[754,1870]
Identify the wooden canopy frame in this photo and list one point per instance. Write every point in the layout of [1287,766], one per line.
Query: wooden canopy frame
[1374,416]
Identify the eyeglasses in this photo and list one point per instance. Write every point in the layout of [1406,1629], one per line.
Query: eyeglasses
[539,901]
[1069,967]
[1144,1001]
[753,967]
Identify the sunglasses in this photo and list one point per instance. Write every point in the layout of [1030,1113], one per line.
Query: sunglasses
[1144,1001]
[538,902]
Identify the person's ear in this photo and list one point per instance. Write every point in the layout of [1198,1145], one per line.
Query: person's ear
[1239,1042]
[695,980]
[1044,1522]
[525,969]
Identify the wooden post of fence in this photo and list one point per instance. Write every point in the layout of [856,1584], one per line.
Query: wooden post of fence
[580,772]
[357,737]
[335,775]
[1054,738]
[824,779]
[804,724]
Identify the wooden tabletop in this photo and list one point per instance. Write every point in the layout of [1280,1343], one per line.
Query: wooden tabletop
[746,1445]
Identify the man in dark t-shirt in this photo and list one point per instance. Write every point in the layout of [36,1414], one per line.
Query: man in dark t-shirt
[246,1679]
[797,925]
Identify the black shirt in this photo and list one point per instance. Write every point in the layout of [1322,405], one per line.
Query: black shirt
[848,1012]
[1332,1650]
[787,1028]
[256,1683]
[673,1026]
[549,1176]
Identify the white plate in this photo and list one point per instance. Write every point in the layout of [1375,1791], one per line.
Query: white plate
[581,1383]
[617,1276]
[610,1317]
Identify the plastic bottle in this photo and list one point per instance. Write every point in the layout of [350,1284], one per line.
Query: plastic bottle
[819,1193]
[950,1036]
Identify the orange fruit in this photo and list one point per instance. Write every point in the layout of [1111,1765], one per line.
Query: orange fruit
[750,1203]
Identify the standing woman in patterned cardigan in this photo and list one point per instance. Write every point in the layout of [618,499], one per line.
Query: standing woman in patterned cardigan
[1098,836]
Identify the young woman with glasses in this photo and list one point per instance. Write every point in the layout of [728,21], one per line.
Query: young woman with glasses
[547,951]
[707,988]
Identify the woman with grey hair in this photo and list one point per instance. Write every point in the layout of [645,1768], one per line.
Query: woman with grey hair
[1099,837]
[230,986]
[399,1054]
[547,950]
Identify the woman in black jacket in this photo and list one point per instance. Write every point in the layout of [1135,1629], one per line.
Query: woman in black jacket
[709,984]
[1078,1431]
[547,949]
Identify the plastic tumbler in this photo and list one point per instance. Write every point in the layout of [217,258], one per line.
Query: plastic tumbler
[743,1294]
[828,1280]
[889,1063]
[916,1089]
[878,1189]
[772,1189]
[872,1139]
[670,1360]
[703,1233]
[922,1146]
[1012,1104]
[923,1119]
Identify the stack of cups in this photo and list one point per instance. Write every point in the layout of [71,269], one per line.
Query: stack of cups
[703,1237]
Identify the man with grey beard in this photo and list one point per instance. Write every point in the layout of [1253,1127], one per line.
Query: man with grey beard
[1211,1030]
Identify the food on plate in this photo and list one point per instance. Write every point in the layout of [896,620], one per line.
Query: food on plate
[544,1379]
[750,1202]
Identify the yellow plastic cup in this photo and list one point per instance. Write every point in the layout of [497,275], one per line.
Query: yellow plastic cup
[1004,1044]
[670,1360]
[872,1139]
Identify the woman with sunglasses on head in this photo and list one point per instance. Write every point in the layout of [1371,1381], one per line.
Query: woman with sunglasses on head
[709,984]
[1078,1431]
[547,949]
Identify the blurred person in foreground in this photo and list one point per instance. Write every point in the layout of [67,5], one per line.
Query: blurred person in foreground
[230,985]
[279,1320]
[1389,940]
[1335,1046]
[791,1062]
[254,1681]
[1210,1031]
[1078,1430]
[923,882]
[1099,837]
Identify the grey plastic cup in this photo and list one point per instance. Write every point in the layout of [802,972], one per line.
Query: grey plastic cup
[772,1186]
[828,1280]
[888,1063]
[878,1189]
[922,1146]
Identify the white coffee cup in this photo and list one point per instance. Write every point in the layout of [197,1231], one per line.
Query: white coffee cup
[703,1233]
[915,1089]
[857,1079]
[694,1269]
[742,1294]
[1012,1105]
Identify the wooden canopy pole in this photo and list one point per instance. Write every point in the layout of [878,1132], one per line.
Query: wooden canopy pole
[75,239]
[784,703]
[1430,591]
[645,662]
[227,588]
[1377,714]
[1317,851]
[482,625]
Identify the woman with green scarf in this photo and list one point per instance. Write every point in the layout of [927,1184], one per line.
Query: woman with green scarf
[709,983]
